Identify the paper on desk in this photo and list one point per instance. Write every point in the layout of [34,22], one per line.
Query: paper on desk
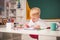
[29,28]
[32,29]
[9,25]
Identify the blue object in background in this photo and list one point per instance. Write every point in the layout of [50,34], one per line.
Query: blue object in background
[53,26]
[1,8]
[18,4]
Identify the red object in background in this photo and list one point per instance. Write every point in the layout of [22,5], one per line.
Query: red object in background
[12,19]
[34,36]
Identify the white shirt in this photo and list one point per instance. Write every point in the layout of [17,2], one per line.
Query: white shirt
[39,22]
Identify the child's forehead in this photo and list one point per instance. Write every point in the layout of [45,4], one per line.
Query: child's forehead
[34,11]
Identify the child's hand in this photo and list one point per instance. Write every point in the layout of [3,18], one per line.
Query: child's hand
[37,27]
[26,26]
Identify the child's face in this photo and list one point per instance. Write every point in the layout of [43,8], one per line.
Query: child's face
[35,14]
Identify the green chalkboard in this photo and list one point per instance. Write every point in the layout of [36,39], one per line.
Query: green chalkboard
[50,9]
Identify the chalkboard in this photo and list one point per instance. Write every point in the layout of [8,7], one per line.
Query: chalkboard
[50,9]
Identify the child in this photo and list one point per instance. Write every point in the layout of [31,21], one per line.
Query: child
[35,21]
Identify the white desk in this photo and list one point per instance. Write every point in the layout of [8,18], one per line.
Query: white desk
[43,34]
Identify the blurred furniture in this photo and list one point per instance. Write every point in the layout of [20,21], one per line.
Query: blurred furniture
[46,34]
[3,21]
[0,20]
[11,6]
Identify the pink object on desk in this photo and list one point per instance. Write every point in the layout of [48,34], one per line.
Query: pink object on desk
[27,26]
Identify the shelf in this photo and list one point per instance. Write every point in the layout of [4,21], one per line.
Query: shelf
[11,7]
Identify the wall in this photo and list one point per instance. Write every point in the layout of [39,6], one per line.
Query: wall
[49,8]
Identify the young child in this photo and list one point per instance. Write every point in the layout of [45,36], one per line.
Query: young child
[35,21]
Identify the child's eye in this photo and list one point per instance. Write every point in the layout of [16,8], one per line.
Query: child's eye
[35,14]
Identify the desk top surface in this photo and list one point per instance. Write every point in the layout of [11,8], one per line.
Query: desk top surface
[45,32]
